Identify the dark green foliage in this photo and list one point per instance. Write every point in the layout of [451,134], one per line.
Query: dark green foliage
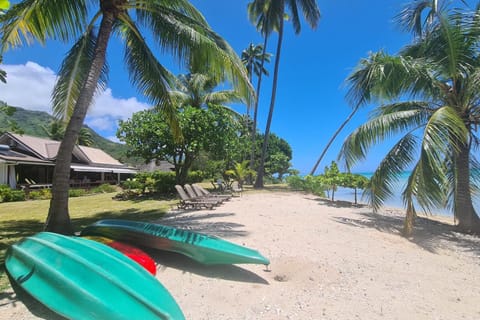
[213,130]
[73,193]
[9,195]
[158,182]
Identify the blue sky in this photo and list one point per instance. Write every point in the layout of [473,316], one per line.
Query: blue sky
[310,102]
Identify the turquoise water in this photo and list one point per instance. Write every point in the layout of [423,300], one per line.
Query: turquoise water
[395,202]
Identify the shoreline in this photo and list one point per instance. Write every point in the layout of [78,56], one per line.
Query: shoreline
[328,261]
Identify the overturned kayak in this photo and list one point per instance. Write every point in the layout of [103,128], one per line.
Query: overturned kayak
[200,247]
[83,279]
[134,253]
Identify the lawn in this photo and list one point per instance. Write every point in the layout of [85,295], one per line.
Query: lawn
[21,219]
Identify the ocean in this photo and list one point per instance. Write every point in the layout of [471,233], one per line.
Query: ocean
[346,194]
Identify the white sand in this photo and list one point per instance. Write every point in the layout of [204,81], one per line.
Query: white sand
[327,262]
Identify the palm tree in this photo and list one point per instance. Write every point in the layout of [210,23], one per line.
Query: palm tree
[437,127]
[254,58]
[176,26]
[56,131]
[269,16]
[411,21]
[198,90]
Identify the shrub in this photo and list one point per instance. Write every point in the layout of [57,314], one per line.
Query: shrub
[17,195]
[315,185]
[9,195]
[42,194]
[296,182]
[132,184]
[76,193]
[104,188]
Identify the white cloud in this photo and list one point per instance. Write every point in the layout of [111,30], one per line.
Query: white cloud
[30,86]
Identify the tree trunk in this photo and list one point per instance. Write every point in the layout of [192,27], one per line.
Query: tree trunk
[255,107]
[468,220]
[409,221]
[184,168]
[332,139]
[261,167]
[58,219]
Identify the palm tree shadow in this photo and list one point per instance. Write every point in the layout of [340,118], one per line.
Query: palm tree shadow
[165,259]
[198,222]
[428,234]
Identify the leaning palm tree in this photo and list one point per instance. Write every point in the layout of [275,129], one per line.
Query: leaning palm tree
[440,73]
[269,15]
[176,27]
[413,19]
[254,58]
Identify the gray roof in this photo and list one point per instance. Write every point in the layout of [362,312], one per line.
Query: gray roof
[44,151]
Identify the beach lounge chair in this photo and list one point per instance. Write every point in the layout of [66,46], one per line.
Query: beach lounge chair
[202,192]
[194,196]
[187,203]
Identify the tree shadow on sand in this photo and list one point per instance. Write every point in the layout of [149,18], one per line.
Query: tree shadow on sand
[429,234]
[177,261]
[199,222]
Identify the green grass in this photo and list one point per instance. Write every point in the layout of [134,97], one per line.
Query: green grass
[21,219]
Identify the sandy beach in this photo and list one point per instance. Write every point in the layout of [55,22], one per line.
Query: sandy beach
[328,261]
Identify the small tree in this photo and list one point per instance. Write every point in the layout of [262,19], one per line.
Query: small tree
[240,172]
[354,181]
[332,178]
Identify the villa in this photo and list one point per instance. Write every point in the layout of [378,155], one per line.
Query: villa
[27,161]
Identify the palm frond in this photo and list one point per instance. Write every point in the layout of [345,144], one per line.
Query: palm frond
[72,76]
[384,181]
[444,130]
[381,76]
[381,127]
[39,20]
[308,8]
[146,73]
[193,42]
[426,183]
[413,19]
[265,15]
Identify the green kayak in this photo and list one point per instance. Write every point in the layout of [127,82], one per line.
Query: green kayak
[83,279]
[200,247]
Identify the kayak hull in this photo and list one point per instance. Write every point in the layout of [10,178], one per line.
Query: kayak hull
[83,279]
[134,253]
[200,247]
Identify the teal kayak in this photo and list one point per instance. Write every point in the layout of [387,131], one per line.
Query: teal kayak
[200,247]
[83,279]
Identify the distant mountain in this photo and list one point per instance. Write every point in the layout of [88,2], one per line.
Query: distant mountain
[31,122]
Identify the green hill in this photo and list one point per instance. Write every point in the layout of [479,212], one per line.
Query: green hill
[31,122]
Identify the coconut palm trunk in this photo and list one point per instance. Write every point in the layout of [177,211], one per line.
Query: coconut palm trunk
[468,220]
[261,168]
[255,107]
[333,138]
[58,219]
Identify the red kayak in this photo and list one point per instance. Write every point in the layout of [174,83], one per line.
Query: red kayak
[134,253]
